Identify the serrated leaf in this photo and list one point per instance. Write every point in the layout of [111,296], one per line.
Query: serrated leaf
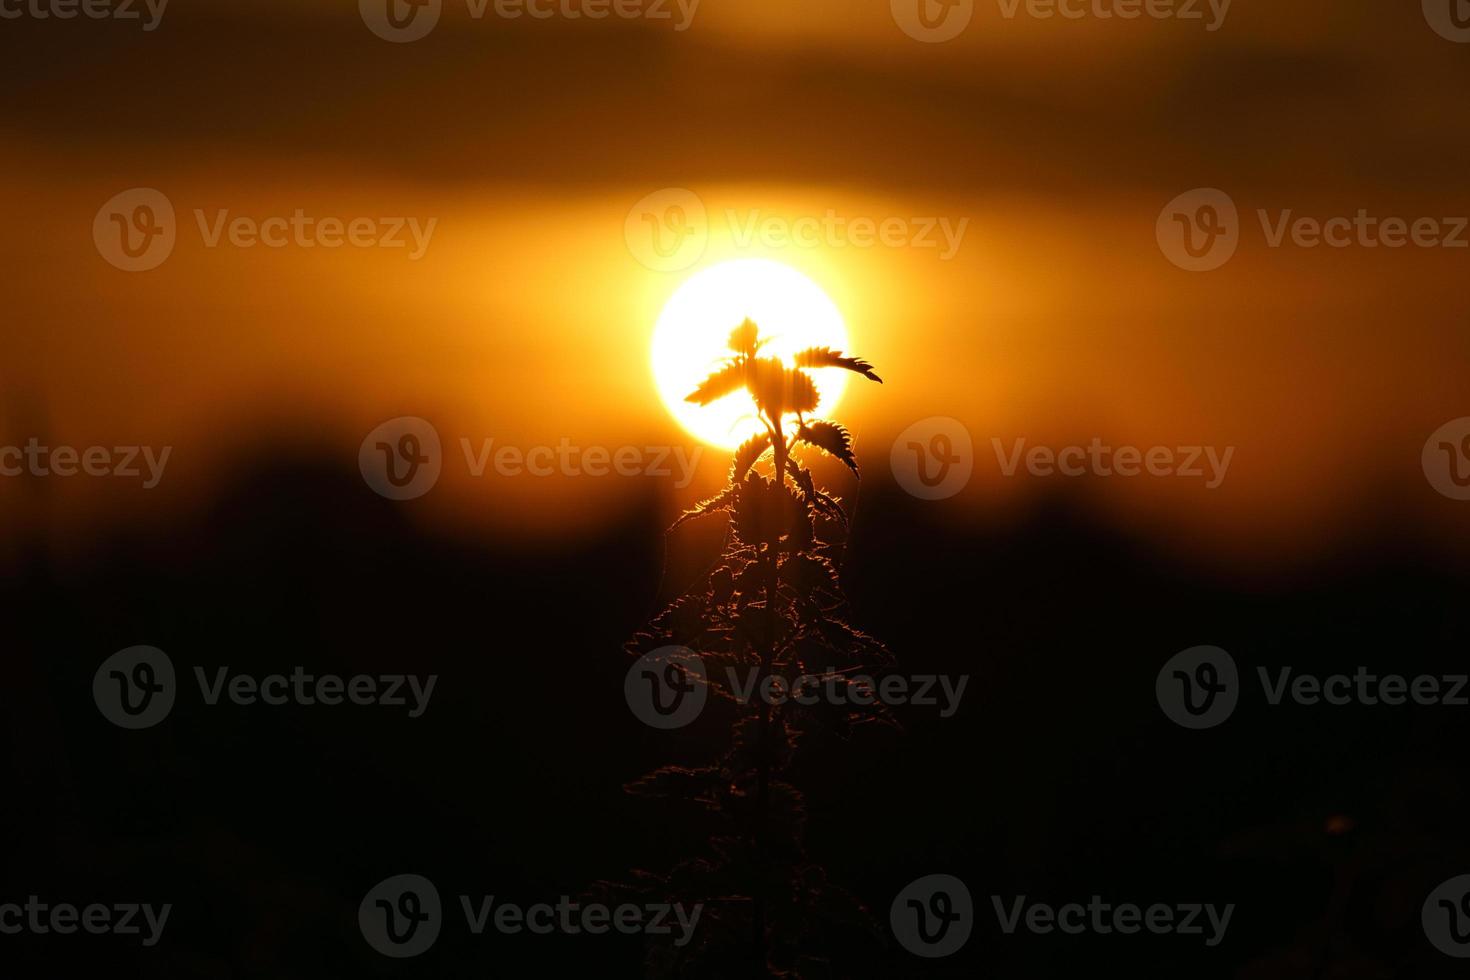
[780,390]
[726,381]
[827,357]
[807,573]
[718,503]
[748,455]
[820,499]
[676,782]
[803,392]
[854,643]
[831,438]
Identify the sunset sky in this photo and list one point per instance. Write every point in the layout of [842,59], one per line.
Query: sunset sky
[529,317]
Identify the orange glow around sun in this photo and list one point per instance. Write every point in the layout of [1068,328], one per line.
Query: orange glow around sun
[689,340]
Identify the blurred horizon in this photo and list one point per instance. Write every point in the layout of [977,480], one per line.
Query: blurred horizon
[527,319]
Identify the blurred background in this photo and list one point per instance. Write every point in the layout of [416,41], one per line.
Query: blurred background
[528,320]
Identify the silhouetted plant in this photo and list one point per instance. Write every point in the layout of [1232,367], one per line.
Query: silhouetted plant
[771,604]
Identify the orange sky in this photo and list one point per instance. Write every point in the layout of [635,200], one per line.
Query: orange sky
[528,318]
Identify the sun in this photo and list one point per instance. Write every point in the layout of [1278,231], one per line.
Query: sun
[689,340]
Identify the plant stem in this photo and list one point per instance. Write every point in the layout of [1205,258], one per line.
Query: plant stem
[768,655]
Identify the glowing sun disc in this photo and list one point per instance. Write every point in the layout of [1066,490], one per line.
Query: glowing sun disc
[689,342]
